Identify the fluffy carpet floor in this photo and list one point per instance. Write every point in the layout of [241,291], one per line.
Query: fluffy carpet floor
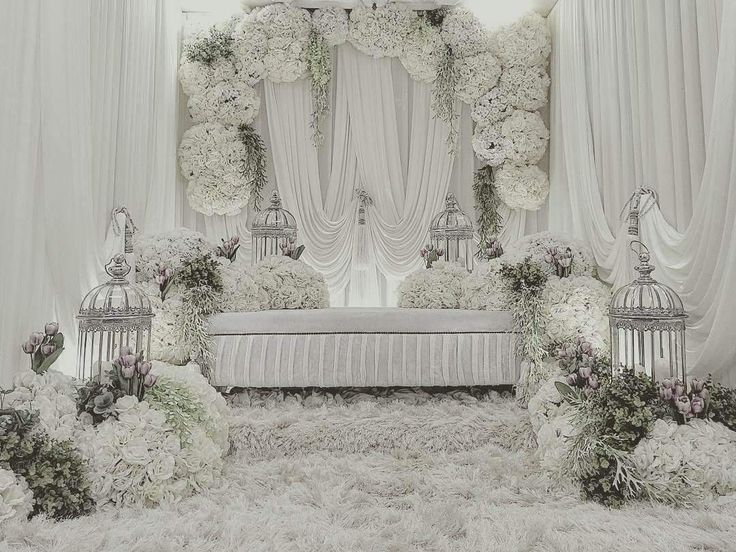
[366,474]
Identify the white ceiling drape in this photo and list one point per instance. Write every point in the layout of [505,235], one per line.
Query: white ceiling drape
[643,95]
[88,124]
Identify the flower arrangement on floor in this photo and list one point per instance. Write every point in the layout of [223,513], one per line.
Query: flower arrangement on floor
[502,75]
[630,439]
[147,433]
[187,278]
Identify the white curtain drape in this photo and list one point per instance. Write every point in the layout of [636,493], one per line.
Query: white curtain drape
[643,96]
[87,125]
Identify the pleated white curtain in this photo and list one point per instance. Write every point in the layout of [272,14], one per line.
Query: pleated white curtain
[643,95]
[87,125]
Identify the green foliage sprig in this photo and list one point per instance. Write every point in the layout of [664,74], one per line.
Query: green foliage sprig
[255,163]
[183,410]
[443,97]
[722,404]
[211,47]
[202,271]
[319,64]
[54,470]
[435,17]
[487,203]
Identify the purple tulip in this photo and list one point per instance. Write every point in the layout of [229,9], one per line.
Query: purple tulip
[28,347]
[125,350]
[679,388]
[129,360]
[48,349]
[51,328]
[696,385]
[572,379]
[235,240]
[666,383]
[127,371]
[697,405]
[683,404]
[150,380]
[144,368]
[665,393]
[36,338]
[585,372]
[593,381]
[586,347]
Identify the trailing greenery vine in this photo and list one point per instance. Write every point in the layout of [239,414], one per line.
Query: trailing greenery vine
[319,64]
[487,203]
[255,162]
[209,48]
[443,96]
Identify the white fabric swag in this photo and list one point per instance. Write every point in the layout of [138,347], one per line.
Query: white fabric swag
[643,95]
[89,123]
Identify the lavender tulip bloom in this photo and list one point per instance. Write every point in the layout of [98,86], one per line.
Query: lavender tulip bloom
[127,371]
[51,328]
[696,385]
[150,380]
[37,338]
[665,393]
[593,381]
[683,405]
[48,349]
[697,405]
[125,350]
[144,368]
[28,347]
[679,388]
[572,379]
[666,383]
[585,372]
[129,360]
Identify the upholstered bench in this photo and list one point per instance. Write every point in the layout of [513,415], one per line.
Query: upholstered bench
[364,347]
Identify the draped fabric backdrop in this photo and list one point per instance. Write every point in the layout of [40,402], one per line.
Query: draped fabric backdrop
[89,122]
[643,95]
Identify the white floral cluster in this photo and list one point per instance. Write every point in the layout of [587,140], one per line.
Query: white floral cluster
[332,24]
[16,499]
[168,250]
[212,159]
[439,287]
[230,103]
[525,87]
[524,42]
[538,245]
[475,76]
[690,460]
[422,51]
[287,31]
[573,307]
[240,292]
[520,139]
[484,289]
[464,33]
[491,107]
[249,48]
[381,32]
[522,187]
[290,284]
[167,344]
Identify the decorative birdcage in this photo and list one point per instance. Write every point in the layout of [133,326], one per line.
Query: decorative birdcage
[452,232]
[273,230]
[113,314]
[647,321]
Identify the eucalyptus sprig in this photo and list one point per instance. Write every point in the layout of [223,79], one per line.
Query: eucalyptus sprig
[255,162]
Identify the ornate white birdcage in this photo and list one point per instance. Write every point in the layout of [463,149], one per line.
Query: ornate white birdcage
[113,314]
[647,321]
[452,232]
[272,230]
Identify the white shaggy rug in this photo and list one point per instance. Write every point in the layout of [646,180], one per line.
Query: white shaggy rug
[305,490]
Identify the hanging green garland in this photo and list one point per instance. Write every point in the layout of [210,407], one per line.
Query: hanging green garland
[319,63]
[443,96]
[487,203]
[255,162]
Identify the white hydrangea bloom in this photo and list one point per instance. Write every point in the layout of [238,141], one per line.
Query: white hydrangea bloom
[527,136]
[422,51]
[290,284]
[475,76]
[332,24]
[16,499]
[287,32]
[693,460]
[240,292]
[169,250]
[491,107]
[525,187]
[524,42]
[525,87]
[381,32]
[195,77]
[227,102]
[491,145]
[537,246]
[464,33]
[250,48]
[483,289]
[439,287]
[166,342]
[573,307]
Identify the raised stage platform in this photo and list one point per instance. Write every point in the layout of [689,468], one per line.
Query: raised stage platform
[364,347]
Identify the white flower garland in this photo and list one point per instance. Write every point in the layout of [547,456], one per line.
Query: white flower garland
[525,87]
[524,42]
[573,307]
[332,24]
[290,284]
[250,48]
[16,499]
[491,145]
[439,287]
[475,76]
[287,32]
[522,187]
[381,32]
[483,289]
[422,51]
[229,103]
[464,33]
[240,292]
[168,250]
[491,107]
[527,137]
[538,245]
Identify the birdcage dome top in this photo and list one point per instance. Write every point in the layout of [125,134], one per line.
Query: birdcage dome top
[647,299]
[274,220]
[116,299]
[452,222]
